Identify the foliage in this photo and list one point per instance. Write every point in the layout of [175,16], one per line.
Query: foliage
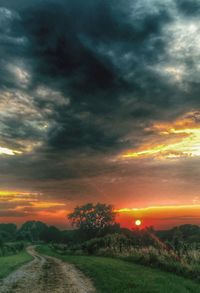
[11,248]
[12,241]
[92,219]
[51,234]
[114,242]
[7,232]
[32,231]
[114,275]
[187,265]
[176,250]
[11,263]
[120,242]
[140,246]
[70,236]
[178,235]
[35,231]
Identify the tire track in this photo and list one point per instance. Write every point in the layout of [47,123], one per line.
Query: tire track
[46,274]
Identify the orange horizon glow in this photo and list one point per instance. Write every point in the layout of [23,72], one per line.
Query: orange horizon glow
[25,206]
[52,212]
[161,217]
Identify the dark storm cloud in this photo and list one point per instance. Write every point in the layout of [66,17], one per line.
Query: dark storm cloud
[81,81]
[85,48]
[189,8]
[94,53]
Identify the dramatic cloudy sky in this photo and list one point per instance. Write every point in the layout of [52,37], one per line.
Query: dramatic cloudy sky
[99,101]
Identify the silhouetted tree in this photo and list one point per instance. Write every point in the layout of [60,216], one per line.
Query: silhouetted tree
[92,219]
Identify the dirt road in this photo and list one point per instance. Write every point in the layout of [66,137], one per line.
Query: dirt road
[46,275]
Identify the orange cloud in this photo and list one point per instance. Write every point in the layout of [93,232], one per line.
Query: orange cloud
[26,205]
[46,204]
[5,193]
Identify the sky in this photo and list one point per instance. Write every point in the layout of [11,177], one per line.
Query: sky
[99,102]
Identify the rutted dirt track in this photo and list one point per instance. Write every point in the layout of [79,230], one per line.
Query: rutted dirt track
[46,275]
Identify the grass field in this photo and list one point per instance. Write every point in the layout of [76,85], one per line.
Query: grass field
[112,275]
[11,263]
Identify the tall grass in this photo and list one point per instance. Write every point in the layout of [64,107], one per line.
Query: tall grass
[7,249]
[184,261]
[187,265]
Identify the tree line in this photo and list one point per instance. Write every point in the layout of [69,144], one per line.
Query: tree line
[93,221]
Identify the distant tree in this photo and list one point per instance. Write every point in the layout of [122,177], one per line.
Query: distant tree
[188,234]
[10,228]
[1,247]
[51,234]
[92,219]
[8,232]
[70,236]
[32,231]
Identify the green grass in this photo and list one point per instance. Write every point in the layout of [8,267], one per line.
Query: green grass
[11,263]
[113,275]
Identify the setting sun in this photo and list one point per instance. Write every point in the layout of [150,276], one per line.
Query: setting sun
[138,222]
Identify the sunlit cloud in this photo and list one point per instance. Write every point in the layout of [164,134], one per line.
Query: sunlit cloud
[19,108]
[9,152]
[175,72]
[21,75]
[180,138]
[5,193]
[158,209]
[50,95]
[27,204]
[46,205]
[6,17]
[183,34]
[18,198]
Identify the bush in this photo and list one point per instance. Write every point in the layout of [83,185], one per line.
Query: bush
[11,248]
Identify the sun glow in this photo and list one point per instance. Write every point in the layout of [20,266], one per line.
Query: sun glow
[159,216]
[138,222]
